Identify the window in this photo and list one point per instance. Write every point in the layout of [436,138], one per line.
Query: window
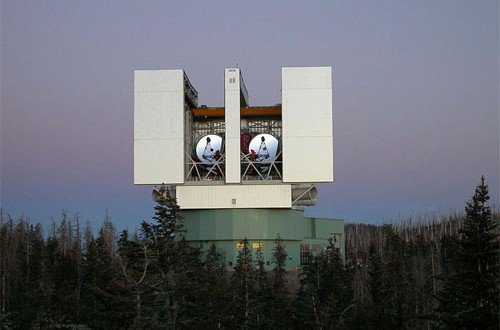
[305,252]
[232,80]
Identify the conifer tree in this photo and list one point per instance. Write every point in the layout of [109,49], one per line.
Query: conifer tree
[280,300]
[375,269]
[243,283]
[422,282]
[106,298]
[279,271]
[336,291]
[394,306]
[307,303]
[216,291]
[174,276]
[369,313]
[61,272]
[35,294]
[27,268]
[470,294]
[325,294]
[261,291]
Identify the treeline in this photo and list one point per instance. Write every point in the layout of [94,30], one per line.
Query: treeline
[423,274]
[399,269]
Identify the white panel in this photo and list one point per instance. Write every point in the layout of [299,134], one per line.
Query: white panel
[159,81]
[314,162]
[232,119]
[232,80]
[304,78]
[308,112]
[233,161]
[232,114]
[307,125]
[158,115]
[245,196]
[154,161]
[159,127]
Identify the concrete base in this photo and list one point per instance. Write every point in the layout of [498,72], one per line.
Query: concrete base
[227,227]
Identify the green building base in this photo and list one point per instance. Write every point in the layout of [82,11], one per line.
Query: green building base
[228,227]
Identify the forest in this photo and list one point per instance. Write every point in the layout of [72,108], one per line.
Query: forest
[416,274]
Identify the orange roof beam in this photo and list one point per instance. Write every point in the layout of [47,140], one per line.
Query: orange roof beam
[245,112]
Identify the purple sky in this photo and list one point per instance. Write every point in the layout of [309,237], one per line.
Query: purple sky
[416,101]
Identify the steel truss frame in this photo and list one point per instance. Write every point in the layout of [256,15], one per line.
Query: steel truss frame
[205,127]
[267,125]
[268,175]
[215,171]
[311,186]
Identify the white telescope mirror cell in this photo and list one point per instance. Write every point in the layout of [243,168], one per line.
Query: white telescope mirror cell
[263,148]
[209,148]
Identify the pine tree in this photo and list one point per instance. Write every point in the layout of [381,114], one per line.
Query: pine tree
[325,294]
[280,300]
[375,274]
[128,279]
[105,297]
[470,295]
[307,303]
[170,288]
[336,291]
[168,226]
[61,275]
[261,308]
[216,292]
[279,271]
[394,304]
[368,314]
[34,283]
[422,285]
[27,270]
[243,282]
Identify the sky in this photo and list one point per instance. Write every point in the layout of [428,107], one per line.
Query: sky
[415,96]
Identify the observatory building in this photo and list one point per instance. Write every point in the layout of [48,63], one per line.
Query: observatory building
[240,171]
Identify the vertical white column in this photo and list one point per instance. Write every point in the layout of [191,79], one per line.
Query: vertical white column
[232,118]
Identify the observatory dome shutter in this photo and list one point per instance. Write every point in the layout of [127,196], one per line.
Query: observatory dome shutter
[307,125]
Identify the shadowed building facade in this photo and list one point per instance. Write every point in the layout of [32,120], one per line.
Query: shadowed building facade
[226,228]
